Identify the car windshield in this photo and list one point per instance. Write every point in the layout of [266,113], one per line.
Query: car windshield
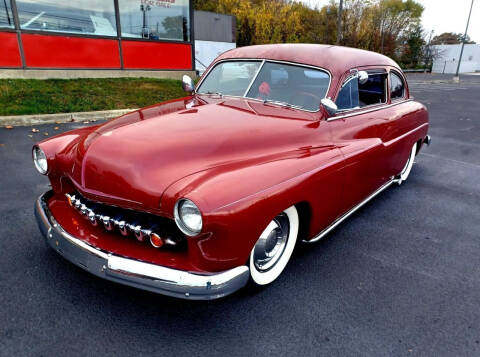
[287,84]
[230,78]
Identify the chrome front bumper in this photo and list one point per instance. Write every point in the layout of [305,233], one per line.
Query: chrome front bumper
[132,272]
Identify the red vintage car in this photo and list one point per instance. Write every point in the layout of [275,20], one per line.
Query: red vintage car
[196,197]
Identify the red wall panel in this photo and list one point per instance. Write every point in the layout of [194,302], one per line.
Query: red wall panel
[156,55]
[52,51]
[9,51]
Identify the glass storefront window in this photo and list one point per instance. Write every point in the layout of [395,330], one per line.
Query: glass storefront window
[155,19]
[6,17]
[88,17]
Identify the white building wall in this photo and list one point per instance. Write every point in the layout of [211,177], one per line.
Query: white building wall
[448,55]
[207,51]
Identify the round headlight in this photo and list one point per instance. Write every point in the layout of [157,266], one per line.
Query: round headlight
[40,160]
[188,217]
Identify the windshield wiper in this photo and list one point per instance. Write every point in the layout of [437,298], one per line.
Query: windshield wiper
[214,93]
[278,102]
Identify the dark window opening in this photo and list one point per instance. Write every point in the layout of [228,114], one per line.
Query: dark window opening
[397,87]
[357,95]
[373,90]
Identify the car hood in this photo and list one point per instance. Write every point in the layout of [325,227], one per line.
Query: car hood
[134,158]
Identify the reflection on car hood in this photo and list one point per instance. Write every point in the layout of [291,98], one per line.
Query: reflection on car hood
[136,157]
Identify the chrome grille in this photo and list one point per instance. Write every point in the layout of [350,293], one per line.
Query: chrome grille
[142,226]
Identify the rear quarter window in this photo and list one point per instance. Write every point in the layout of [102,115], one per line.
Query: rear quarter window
[397,86]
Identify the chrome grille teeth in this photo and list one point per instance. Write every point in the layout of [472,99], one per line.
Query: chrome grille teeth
[122,227]
[107,223]
[140,234]
[170,241]
[92,218]
[110,223]
[77,203]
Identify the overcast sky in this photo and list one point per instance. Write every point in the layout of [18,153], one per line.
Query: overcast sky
[442,16]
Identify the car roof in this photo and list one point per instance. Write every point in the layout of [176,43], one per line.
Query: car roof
[336,59]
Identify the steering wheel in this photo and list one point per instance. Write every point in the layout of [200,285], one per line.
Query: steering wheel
[306,95]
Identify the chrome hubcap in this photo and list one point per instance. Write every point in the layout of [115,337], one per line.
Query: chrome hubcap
[271,244]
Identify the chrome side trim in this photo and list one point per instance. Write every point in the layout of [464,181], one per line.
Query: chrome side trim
[380,107]
[136,273]
[398,138]
[348,214]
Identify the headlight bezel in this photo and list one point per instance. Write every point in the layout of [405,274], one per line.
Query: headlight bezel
[37,155]
[189,231]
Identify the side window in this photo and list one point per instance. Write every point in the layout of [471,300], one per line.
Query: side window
[348,96]
[73,16]
[373,91]
[6,16]
[397,88]
[358,95]
[153,19]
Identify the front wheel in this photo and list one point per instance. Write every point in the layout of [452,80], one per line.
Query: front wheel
[408,166]
[274,248]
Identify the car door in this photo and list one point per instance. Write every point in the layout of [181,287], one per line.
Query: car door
[401,115]
[358,130]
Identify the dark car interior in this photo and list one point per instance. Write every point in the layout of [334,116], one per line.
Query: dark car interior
[373,90]
[357,95]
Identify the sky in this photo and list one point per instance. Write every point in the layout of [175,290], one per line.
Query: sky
[442,16]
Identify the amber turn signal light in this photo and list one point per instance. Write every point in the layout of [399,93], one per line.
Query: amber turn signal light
[70,199]
[156,240]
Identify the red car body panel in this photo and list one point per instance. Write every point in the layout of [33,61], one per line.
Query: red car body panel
[241,161]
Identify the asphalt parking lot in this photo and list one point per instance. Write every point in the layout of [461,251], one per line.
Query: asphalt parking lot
[400,277]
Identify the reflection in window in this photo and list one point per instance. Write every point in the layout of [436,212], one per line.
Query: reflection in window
[348,96]
[296,85]
[155,19]
[230,78]
[90,17]
[6,17]
[396,86]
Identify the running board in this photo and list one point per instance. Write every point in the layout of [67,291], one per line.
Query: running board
[346,215]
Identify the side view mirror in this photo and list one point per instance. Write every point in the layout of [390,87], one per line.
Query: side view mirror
[362,77]
[187,84]
[329,106]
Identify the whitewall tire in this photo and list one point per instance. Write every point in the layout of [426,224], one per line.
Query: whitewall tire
[408,166]
[274,247]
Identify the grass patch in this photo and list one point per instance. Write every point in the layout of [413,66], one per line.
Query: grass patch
[32,96]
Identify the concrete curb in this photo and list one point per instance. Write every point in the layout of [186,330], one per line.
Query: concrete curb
[89,73]
[26,120]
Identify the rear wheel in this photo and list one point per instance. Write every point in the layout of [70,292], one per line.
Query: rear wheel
[408,166]
[274,248]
